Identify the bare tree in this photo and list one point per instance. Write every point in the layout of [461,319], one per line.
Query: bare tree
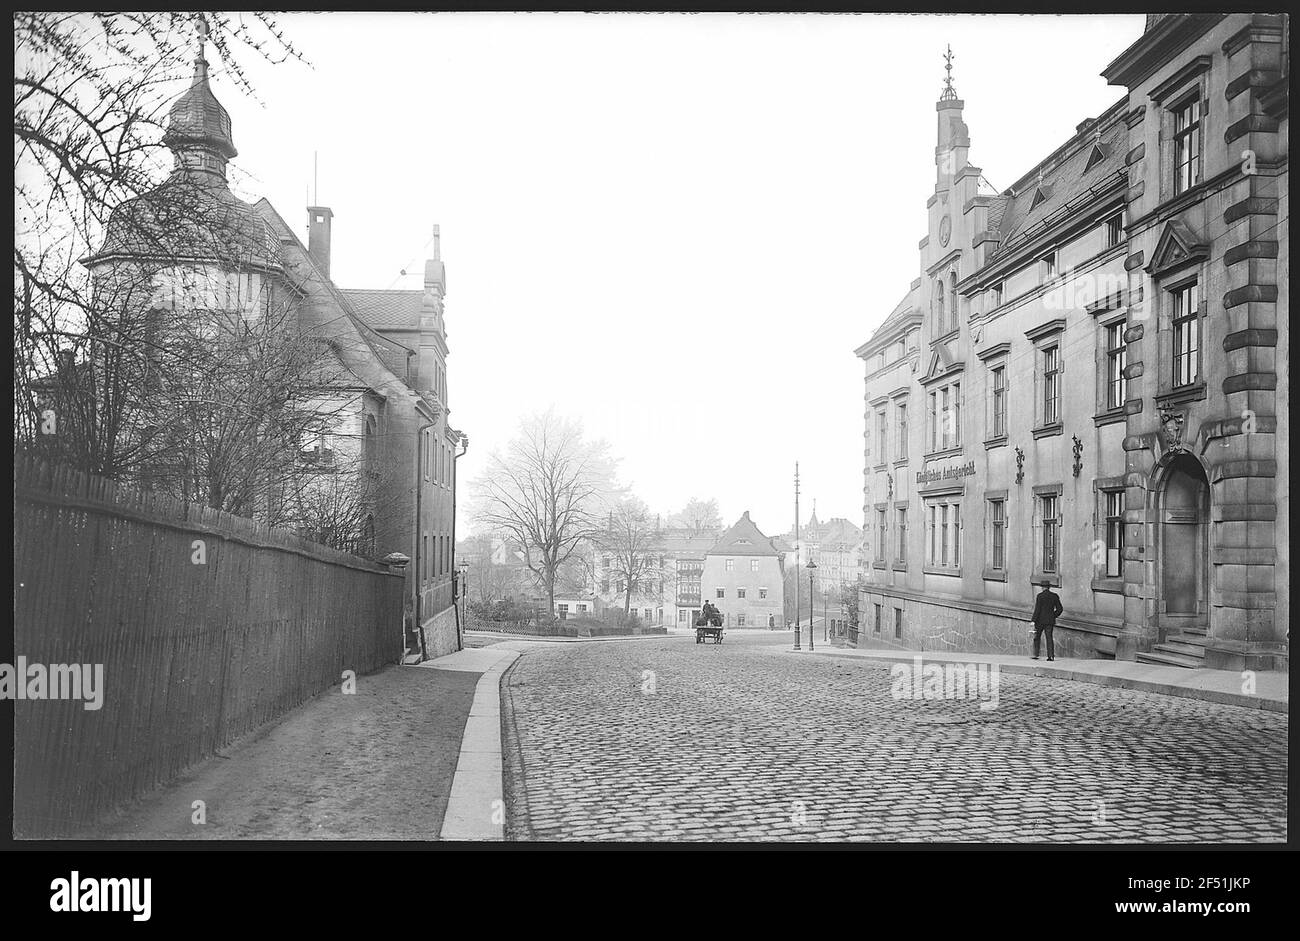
[546,492]
[631,541]
[698,515]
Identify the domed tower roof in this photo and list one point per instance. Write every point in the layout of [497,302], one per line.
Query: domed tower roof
[198,127]
[192,216]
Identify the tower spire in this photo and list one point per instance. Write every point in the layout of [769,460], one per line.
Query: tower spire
[949,93]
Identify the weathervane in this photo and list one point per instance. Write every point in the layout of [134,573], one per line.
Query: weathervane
[949,93]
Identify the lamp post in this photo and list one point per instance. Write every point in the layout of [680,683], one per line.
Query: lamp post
[463,591]
[812,570]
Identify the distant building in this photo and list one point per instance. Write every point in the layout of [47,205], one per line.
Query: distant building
[743,575]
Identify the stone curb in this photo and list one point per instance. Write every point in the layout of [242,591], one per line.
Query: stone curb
[1221,697]
[476,801]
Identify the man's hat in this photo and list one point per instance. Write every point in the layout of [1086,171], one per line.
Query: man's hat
[1044,584]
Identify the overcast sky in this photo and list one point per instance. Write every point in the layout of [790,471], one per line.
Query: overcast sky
[676,228]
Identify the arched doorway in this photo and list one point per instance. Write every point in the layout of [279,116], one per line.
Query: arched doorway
[1182,523]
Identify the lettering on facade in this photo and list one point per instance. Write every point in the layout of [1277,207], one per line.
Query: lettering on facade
[952,472]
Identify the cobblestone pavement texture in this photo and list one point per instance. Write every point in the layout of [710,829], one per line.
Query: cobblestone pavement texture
[373,765]
[741,742]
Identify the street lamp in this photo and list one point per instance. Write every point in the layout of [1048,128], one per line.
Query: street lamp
[812,570]
[463,589]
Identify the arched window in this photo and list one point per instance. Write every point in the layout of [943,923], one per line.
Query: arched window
[938,308]
[371,444]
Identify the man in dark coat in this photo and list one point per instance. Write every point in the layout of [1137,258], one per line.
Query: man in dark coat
[1047,607]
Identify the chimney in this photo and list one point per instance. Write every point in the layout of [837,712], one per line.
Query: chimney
[318,237]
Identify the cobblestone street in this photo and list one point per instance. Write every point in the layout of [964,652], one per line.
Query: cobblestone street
[744,742]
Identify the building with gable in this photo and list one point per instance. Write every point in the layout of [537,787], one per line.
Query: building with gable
[203,253]
[744,576]
[1087,384]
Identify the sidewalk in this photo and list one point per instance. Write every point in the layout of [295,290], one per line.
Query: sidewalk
[383,763]
[1219,686]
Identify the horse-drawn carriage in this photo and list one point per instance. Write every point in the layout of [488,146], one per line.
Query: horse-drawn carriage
[708,627]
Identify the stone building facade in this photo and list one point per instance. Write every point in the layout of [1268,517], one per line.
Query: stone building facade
[1087,384]
[208,254]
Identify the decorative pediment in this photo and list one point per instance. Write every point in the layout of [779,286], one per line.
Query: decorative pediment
[1178,247]
[942,362]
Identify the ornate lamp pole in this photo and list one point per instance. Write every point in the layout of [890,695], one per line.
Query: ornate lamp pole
[812,569]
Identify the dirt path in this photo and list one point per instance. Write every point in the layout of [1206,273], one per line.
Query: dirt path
[374,765]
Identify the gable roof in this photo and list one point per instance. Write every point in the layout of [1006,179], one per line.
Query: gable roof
[744,538]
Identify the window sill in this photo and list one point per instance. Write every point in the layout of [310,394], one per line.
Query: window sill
[998,442]
[994,575]
[1048,431]
[878,564]
[1113,584]
[1181,395]
[1110,416]
[900,566]
[1052,578]
[937,570]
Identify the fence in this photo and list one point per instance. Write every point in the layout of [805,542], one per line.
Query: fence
[207,626]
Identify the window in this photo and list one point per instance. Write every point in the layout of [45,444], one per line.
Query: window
[649,615]
[933,421]
[945,417]
[740,620]
[877,621]
[605,561]
[740,592]
[564,611]
[998,534]
[753,565]
[722,592]
[1049,266]
[730,564]
[1116,360]
[943,532]
[880,535]
[901,518]
[1051,385]
[882,427]
[952,301]
[1114,229]
[582,609]
[1048,507]
[681,616]
[604,586]
[1114,532]
[1186,336]
[997,294]
[1187,144]
[762,593]
[937,302]
[902,431]
[999,401]
[898,622]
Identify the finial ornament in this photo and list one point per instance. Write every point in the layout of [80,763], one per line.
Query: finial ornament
[949,93]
